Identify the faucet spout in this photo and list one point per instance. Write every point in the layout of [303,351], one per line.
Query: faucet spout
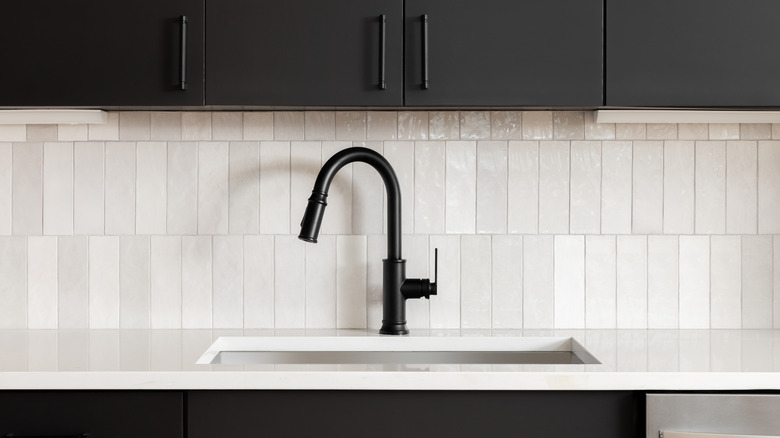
[396,287]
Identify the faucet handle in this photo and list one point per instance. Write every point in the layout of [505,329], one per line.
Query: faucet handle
[422,287]
[435,269]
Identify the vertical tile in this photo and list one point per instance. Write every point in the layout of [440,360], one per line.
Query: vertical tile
[648,187]
[663,254]
[757,295]
[506,125]
[42,133]
[351,125]
[120,188]
[554,187]
[523,187]
[537,125]
[259,265]
[274,187]
[600,278]
[775,130]
[182,195]
[694,282]
[632,351]
[228,298]
[630,131]
[694,350]
[196,126]
[165,350]
[475,284]
[165,126]
[338,219]
[196,274]
[491,195]
[368,193]
[244,188]
[42,282]
[72,132]
[103,282]
[769,187]
[726,350]
[289,125]
[416,253]
[662,131]
[724,131]
[443,125]
[227,125]
[134,125]
[321,283]
[598,131]
[400,155]
[73,282]
[585,187]
[13,132]
[461,187]
[305,164]
[134,350]
[42,350]
[166,278]
[58,188]
[755,131]
[475,125]
[710,208]
[741,187]
[376,245]
[429,187]
[27,188]
[107,131]
[151,188]
[73,350]
[568,125]
[88,192]
[134,282]
[678,208]
[726,282]
[258,125]
[693,131]
[5,188]
[445,310]
[776,270]
[632,282]
[351,282]
[569,281]
[320,125]
[413,125]
[213,180]
[289,284]
[507,282]
[13,282]
[381,125]
[538,291]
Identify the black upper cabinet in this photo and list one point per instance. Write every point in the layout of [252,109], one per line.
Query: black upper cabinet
[505,52]
[693,53]
[100,53]
[303,52]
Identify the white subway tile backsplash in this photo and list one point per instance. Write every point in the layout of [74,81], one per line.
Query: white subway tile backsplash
[726,282]
[319,125]
[182,194]
[351,125]
[416,253]
[13,132]
[585,187]
[227,126]
[88,188]
[367,195]
[662,131]
[506,125]
[445,309]
[616,187]
[166,282]
[755,131]
[258,126]
[213,192]
[196,126]
[305,163]
[351,295]
[151,187]
[678,208]
[120,188]
[491,197]
[461,190]
[104,282]
[710,187]
[569,281]
[663,282]
[381,126]
[598,131]
[507,281]
[5,189]
[376,251]
[72,132]
[475,125]
[108,131]
[757,293]
[769,187]
[523,187]
[42,282]
[57,189]
[631,131]
[600,282]
[134,126]
[289,125]
[289,283]
[259,267]
[537,125]
[164,126]
[400,155]
[648,187]
[776,270]
[42,133]
[73,282]
[197,281]
[475,285]
[228,293]
[321,283]
[413,125]
[741,187]
[554,187]
[693,131]
[538,286]
[631,282]
[568,125]
[338,219]
[27,188]
[134,281]
[443,125]
[724,131]
[244,188]
[694,282]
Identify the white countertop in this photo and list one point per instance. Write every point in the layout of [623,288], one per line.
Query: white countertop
[165,359]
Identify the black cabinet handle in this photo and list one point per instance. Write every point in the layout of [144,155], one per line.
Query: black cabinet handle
[382,25]
[13,435]
[425,51]
[183,54]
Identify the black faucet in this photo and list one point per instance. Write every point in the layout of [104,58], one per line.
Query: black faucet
[396,288]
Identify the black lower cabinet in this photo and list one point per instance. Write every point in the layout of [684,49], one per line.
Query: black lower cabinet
[376,414]
[96,414]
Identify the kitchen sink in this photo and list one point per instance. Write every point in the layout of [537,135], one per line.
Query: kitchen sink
[245,350]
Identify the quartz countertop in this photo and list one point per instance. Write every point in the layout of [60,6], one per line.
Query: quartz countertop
[165,359]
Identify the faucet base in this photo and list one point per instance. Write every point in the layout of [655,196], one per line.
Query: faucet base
[393,328]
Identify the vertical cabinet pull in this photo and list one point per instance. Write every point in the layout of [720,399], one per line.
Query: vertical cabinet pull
[425,51]
[183,54]
[382,26]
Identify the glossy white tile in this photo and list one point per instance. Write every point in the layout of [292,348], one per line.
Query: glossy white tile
[616,187]
[600,282]
[381,125]
[769,187]
[663,351]
[42,350]
[351,125]
[554,185]
[305,163]
[461,187]
[58,189]
[695,350]
[710,191]
[196,274]
[568,125]
[42,282]
[491,194]
[228,293]
[631,350]
[73,282]
[107,131]
[648,187]
[196,126]
[569,281]
[164,126]
[376,251]
[429,187]
[585,183]
[227,125]
[662,131]
[258,125]
[443,125]
[289,284]
[42,133]
[289,125]
[631,131]
[538,289]
[213,192]
[537,125]
[475,284]
[259,266]
[103,282]
[725,282]
[506,125]
[741,187]
[694,282]
[134,125]
[663,282]
[151,188]
[400,155]
[631,272]
[755,131]
[134,282]
[73,350]
[757,293]
[88,188]
[13,132]
[724,131]
[338,219]
[319,125]
[507,281]
[475,125]
[165,282]
[446,308]
[598,131]
[413,125]
[120,188]
[416,253]
[368,193]
[523,187]
[5,189]
[776,270]
[244,188]
[182,188]
[351,282]
[321,283]
[678,208]
[693,131]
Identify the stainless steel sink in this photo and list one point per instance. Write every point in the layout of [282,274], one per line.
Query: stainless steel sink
[396,350]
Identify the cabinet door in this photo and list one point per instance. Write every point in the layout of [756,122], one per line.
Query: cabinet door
[303,52]
[693,53]
[504,52]
[100,53]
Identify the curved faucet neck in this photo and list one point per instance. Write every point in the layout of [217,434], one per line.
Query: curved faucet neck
[378,162]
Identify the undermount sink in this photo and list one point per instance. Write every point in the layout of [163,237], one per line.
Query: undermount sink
[396,350]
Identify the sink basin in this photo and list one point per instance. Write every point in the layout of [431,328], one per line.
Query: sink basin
[396,350]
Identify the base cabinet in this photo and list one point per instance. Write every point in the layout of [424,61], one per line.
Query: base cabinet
[409,414]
